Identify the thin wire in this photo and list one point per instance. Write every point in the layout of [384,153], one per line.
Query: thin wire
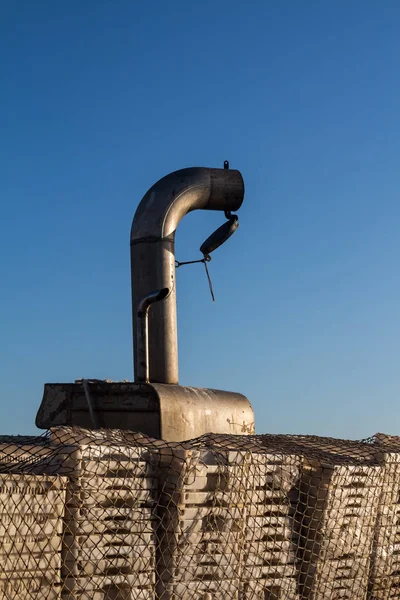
[204,260]
[89,401]
[189,262]
[209,282]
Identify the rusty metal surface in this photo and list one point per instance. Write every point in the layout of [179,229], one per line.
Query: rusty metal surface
[169,412]
[123,405]
[188,412]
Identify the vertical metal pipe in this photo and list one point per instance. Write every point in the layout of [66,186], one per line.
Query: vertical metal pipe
[142,342]
[153,253]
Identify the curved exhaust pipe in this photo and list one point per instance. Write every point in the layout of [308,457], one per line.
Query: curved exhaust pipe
[142,327]
[153,254]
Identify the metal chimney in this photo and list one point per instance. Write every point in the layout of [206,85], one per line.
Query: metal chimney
[154,403]
[153,253]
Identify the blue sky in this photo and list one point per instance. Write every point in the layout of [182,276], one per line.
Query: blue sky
[99,99]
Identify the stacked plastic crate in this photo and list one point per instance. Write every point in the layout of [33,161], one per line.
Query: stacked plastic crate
[340,491]
[201,532]
[26,454]
[270,560]
[225,529]
[385,565]
[31,511]
[108,538]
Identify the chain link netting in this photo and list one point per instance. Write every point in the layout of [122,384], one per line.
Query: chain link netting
[115,515]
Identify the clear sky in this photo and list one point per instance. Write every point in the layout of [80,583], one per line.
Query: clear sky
[101,98]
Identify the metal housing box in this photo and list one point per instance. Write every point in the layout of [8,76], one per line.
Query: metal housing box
[162,411]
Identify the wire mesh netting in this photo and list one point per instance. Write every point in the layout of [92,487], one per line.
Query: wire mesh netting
[115,515]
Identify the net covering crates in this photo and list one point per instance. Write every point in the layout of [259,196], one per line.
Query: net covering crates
[340,491]
[31,512]
[385,564]
[259,517]
[226,527]
[108,541]
[271,561]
